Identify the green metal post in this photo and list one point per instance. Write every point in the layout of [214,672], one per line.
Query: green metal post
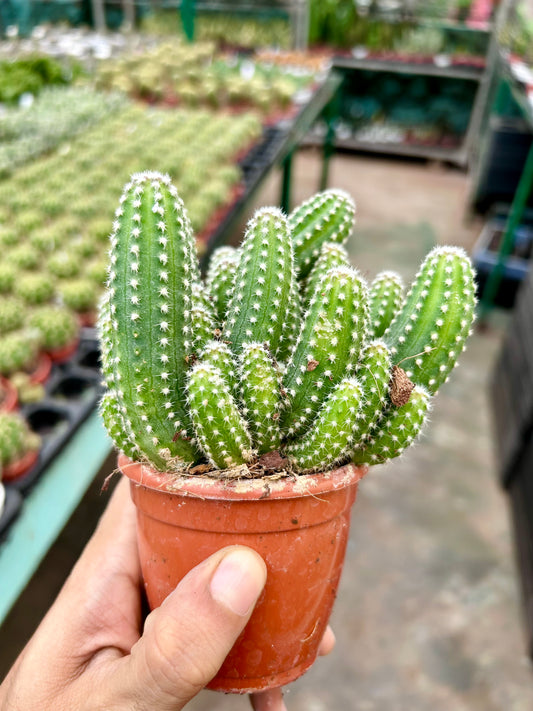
[285,200]
[331,114]
[188,11]
[515,216]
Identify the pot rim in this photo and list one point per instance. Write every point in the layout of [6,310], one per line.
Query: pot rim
[239,489]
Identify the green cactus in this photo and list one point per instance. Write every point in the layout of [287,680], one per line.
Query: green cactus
[220,428]
[8,275]
[220,275]
[260,392]
[64,265]
[12,313]
[23,257]
[80,295]
[331,255]
[146,349]
[399,428]
[228,369]
[263,284]
[385,296]
[326,217]
[57,325]
[19,351]
[429,332]
[16,438]
[328,346]
[333,431]
[34,288]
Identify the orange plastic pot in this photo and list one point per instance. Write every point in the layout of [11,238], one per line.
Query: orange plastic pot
[298,525]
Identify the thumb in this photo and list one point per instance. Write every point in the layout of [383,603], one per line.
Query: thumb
[186,640]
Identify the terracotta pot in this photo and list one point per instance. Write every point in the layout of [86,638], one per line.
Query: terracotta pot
[298,525]
[22,466]
[10,397]
[64,353]
[42,370]
[87,319]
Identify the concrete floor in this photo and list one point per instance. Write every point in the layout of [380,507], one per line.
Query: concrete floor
[428,614]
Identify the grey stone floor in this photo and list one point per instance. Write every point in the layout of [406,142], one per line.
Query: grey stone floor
[428,614]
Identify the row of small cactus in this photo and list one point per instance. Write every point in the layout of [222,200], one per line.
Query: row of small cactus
[282,347]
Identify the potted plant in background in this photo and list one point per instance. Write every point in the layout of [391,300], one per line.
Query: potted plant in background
[19,446]
[247,407]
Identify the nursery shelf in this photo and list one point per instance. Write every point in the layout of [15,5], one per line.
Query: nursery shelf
[426,69]
[457,155]
[48,507]
[275,151]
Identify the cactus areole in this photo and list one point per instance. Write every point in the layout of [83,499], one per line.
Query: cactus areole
[275,381]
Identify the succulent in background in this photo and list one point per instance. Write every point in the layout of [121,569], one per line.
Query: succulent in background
[80,295]
[230,369]
[12,314]
[19,351]
[16,438]
[57,326]
[34,288]
[8,275]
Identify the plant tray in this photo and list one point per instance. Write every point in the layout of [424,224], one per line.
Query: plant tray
[516,266]
[72,393]
[12,506]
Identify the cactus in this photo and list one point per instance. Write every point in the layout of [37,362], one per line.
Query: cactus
[326,217]
[328,346]
[34,288]
[64,265]
[385,299]
[228,370]
[11,314]
[219,426]
[8,275]
[260,393]
[399,428]
[80,295]
[263,284]
[19,351]
[16,438]
[220,276]
[429,332]
[333,432]
[331,255]
[145,351]
[57,325]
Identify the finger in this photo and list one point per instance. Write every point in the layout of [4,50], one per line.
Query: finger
[327,643]
[186,640]
[271,700]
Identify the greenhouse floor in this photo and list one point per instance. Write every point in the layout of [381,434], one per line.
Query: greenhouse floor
[428,614]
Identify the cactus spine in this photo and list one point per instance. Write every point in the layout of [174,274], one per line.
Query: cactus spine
[152,271]
[326,217]
[430,330]
[373,372]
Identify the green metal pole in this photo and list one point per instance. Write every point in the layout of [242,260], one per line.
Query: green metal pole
[515,216]
[285,200]
[188,11]
[331,114]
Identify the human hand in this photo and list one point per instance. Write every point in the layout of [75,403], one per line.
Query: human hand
[92,651]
